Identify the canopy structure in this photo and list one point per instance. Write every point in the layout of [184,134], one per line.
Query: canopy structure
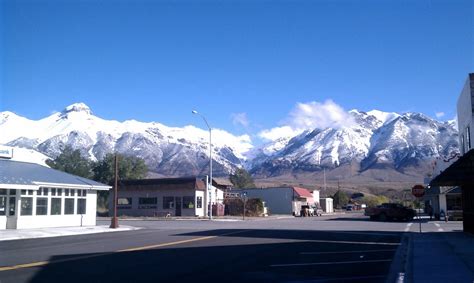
[461,173]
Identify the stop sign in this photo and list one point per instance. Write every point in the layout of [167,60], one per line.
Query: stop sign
[418,191]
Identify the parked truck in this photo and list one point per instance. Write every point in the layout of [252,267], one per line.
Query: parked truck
[390,211]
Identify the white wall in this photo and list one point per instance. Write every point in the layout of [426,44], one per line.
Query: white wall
[43,221]
[3,222]
[465,115]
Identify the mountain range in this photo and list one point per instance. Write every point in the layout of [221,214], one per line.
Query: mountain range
[376,146]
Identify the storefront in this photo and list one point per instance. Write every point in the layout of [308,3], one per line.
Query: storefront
[35,196]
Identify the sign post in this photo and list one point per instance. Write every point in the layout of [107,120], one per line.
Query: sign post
[418,191]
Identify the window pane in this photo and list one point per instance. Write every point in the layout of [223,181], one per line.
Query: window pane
[84,193]
[53,192]
[66,192]
[41,206]
[73,192]
[199,202]
[26,206]
[168,202]
[12,192]
[81,206]
[23,192]
[124,201]
[3,205]
[55,206]
[188,202]
[30,192]
[60,192]
[69,206]
[147,203]
[12,206]
[3,191]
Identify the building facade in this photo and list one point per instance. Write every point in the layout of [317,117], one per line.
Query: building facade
[35,196]
[165,197]
[281,200]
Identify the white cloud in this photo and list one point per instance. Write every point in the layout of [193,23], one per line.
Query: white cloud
[309,116]
[314,114]
[439,114]
[278,132]
[240,119]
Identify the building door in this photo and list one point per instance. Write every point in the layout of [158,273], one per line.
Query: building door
[178,201]
[11,213]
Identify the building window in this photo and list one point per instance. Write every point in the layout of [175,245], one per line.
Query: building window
[3,191]
[199,202]
[30,192]
[84,193]
[13,192]
[60,192]
[66,192]
[124,201]
[3,205]
[42,192]
[69,206]
[26,206]
[188,202]
[468,138]
[463,146]
[81,206]
[55,206]
[41,206]
[53,192]
[168,202]
[147,203]
[12,206]
[73,192]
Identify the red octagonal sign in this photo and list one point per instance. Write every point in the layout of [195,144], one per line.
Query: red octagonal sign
[418,191]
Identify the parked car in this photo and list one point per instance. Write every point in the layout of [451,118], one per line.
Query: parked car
[390,211]
[310,210]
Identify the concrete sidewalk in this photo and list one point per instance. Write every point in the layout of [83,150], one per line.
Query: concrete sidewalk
[440,257]
[8,235]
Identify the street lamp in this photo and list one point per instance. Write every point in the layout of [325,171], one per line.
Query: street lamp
[209,184]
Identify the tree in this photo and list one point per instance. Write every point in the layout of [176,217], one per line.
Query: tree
[241,179]
[372,201]
[130,167]
[72,161]
[340,199]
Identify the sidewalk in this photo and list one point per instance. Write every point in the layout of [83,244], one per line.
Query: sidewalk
[440,257]
[7,235]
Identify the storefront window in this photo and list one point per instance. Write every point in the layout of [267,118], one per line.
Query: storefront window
[199,202]
[55,206]
[41,206]
[26,206]
[3,205]
[69,206]
[168,202]
[188,202]
[81,206]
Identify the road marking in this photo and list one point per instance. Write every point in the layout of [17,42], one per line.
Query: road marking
[440,230]
[437,225]
[408,227]
[345,252]
[354,242]
[330,263]
[43,263]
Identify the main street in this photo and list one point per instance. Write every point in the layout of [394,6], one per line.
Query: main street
[344,248]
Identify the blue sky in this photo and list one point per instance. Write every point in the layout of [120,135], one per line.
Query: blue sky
[244,64]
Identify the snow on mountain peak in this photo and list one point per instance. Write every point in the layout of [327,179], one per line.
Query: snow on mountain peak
[384,117]
[77,107]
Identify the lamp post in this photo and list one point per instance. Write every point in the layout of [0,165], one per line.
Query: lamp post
[209,184]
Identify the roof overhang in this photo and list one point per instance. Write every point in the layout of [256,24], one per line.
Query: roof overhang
[460,173]
[73,186]
[19,187]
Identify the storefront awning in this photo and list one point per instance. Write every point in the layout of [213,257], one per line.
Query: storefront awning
[460,173]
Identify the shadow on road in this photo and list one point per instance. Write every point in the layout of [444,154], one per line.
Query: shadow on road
[237,255]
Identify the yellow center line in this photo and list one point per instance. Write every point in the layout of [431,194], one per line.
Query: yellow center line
[43,263]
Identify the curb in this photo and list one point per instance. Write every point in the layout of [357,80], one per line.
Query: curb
[399,269]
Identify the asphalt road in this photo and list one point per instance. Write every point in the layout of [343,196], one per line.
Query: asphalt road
[346,248]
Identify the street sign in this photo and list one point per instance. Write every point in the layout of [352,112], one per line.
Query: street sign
[418,191]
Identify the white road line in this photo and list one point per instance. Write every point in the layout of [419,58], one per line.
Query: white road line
[437,225]
[330,263]
[345,252]
[440,230]
[354,242]
[408,227]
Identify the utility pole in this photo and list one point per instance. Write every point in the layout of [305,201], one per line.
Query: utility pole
[114,222]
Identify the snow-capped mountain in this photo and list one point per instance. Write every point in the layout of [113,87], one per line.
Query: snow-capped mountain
[374,139]
[166,150]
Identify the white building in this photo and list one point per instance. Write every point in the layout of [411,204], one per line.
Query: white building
[35,196]
[327,205]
